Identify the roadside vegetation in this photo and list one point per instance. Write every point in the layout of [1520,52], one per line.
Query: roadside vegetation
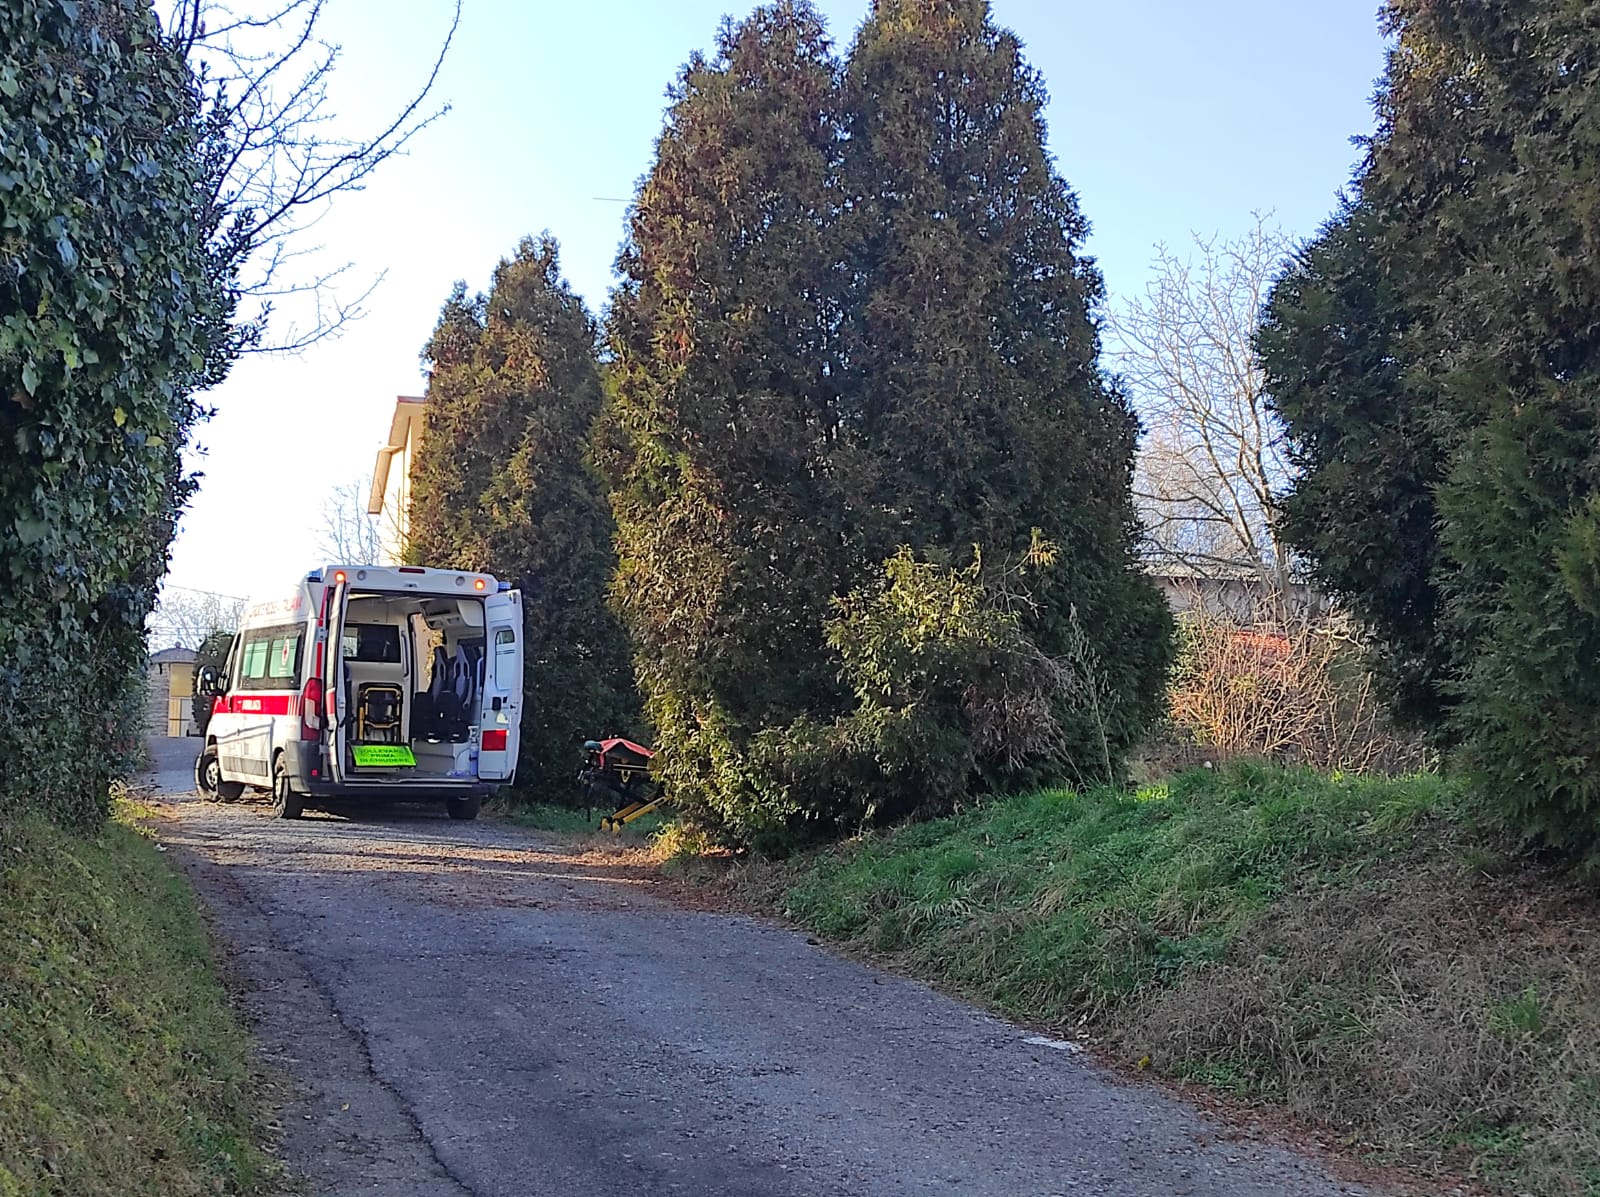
[845,471]
[1356,950]
[156,166]
[122,1066]
[570,820]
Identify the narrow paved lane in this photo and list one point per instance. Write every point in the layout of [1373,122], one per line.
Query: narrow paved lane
[469,1010]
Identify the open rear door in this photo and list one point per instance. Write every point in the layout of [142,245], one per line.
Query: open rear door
[500,721]
[333,690]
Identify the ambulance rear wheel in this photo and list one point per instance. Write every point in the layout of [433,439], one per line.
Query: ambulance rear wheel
[286,804]
[463,808]
[208,779]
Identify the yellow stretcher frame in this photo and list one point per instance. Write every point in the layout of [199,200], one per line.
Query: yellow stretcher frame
[634,810]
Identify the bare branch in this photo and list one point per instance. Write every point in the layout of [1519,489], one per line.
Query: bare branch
[349,535]
[184,616]
[1212,458]
[275,165]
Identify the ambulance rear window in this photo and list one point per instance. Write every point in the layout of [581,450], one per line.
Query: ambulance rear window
[376,643]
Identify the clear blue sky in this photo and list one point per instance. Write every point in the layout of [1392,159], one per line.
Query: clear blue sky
[1167,116]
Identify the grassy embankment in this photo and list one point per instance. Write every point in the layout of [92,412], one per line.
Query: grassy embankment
[1351,949]
[123,1069]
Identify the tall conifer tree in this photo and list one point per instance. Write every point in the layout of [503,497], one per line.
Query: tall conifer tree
[502,483]
[972,346]
[1483,417]
[854,320]
[1366,451]
[733,537]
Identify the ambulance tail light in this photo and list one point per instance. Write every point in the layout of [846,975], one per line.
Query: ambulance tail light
[311,709]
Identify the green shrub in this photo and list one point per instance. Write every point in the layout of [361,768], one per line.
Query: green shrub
[951,695]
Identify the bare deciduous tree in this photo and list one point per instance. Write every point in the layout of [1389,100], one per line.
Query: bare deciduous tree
[184,616]
[1213,454]
[349,535]
[263,76]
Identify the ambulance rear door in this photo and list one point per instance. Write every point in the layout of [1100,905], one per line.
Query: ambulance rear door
[500,719]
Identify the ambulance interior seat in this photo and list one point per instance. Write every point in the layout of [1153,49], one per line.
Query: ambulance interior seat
[430,709]
[463,676]
[445,709]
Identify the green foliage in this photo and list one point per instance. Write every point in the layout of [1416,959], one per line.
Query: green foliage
[1365,453]
[122,1066]
[972,349]
[1056,905]
[948,686]
[115,302]
[1476,246]
[733,533]
[502,483]
[1518,1016]
[853,322]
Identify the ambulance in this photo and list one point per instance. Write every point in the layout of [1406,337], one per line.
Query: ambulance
[369,683]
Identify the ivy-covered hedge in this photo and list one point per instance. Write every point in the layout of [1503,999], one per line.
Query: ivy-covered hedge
[116,298]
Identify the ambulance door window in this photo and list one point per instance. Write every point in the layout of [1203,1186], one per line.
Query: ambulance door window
[270,659]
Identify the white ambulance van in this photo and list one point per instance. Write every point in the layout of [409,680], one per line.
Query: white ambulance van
[370,682]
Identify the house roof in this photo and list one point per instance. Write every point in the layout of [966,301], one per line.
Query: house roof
[175,655]
[406,409]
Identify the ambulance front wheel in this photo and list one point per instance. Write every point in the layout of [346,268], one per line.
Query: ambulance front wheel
[464,808]
[286,804]
[208,779]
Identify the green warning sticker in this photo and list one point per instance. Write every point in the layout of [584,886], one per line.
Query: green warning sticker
[383,754]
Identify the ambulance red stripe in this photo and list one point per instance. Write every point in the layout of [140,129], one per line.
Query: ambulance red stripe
[258,704]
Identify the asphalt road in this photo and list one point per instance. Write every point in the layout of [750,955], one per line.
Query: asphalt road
[469,1009]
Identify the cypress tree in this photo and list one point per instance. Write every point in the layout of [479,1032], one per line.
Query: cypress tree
[855,352]
[733,536]
[972,348]
[1367,458]
[502,483]
[1483,180]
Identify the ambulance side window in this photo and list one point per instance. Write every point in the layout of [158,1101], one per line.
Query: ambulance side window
[269,658]
[254,666]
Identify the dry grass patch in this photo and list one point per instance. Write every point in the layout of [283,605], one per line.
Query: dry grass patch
[1430,1012]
